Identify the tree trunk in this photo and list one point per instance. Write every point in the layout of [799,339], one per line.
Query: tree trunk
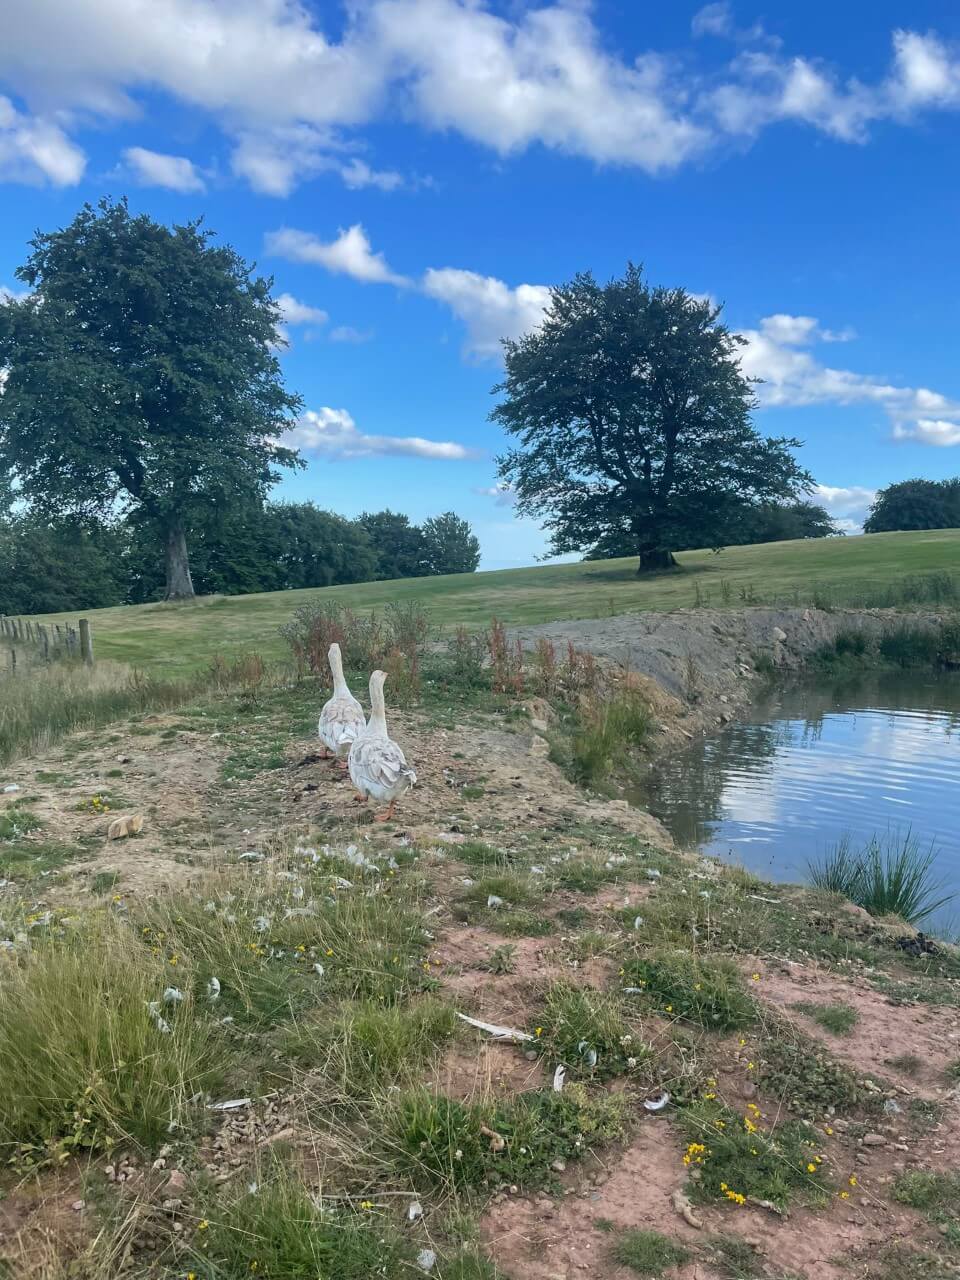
[179,582]
[653,558]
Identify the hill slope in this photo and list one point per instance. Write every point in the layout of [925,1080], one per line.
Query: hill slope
[841,569]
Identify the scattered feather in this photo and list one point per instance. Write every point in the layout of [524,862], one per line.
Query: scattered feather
[213,989]
[494,901]
[173,995]
[559,1078]
[498,1032]
[657,1103]
[414,1210]
[231,1104]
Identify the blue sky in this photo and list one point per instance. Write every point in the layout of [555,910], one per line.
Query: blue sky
[415,173]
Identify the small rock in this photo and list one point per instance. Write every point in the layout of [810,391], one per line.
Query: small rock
[778,635]
[177,1180]
[172,1205]
[539,747]
[130,824]
[748,1089]
[874,1140]
[559,1165]
[531,1055]
[78,1205]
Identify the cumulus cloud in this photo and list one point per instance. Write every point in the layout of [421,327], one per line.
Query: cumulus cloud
[843,500]
[12,295]
[350,254]
[296,312]
[154,169]
[936,431]
[489,308]
[35,150]
[288,94]
[792,375]
[333,434]
[713,20]
[356,173]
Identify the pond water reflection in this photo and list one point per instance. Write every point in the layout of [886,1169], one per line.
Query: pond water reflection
[814,761]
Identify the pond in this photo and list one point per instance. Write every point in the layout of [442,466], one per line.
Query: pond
[877,754]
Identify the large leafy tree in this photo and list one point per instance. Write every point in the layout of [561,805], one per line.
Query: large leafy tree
[398,544]
[142,377]
[915,504]
[633,416]
[47,566]
[449,545]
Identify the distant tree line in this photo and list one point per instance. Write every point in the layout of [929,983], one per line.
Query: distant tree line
[48,565]
[916,504]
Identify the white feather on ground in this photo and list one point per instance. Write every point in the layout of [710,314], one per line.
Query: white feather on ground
[342,716]
[378,767]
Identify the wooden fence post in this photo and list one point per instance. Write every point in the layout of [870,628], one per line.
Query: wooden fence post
[86,642]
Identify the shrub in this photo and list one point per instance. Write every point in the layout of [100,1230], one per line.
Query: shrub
[367,640]
[707,991]
[83,1060]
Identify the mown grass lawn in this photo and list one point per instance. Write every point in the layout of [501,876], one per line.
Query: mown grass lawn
[183,637]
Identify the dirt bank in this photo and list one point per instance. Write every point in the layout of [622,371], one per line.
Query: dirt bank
[705,663]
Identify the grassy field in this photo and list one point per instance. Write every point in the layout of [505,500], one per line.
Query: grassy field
[179,638]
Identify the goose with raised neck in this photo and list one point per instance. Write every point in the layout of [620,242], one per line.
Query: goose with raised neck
[378,767]
[342,718]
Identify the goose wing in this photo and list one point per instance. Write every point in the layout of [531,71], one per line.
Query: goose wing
[380,762]
[340,721]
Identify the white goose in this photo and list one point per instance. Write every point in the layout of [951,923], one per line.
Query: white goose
[378,768]
[342,716]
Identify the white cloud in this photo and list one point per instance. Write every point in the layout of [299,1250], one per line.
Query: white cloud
[154,169]
[844,500]
[296,312]
[542,78]
[801,330]
[347,333]
[793,376]
[503,494]
[332,433]
[713,20]
[935,431]
[12,295]
[489,308]
[357,173]
[35,150]
[350,254]
[287,94]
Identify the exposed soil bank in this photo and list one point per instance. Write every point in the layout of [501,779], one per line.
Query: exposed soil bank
[705,662]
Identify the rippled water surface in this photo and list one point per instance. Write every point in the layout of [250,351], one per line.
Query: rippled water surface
[815,762]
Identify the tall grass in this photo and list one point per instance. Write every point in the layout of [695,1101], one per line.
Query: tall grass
[608,726]
[39,708]
[82,1058]
[889,876]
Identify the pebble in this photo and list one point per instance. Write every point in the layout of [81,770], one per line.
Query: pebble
[874,1140]
[559,1165]
[78,1205]
[177,1180]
